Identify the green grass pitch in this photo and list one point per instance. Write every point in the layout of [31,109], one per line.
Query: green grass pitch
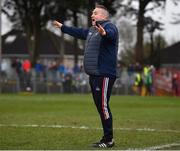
[70,121]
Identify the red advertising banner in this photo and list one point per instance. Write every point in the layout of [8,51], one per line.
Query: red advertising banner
[167,82]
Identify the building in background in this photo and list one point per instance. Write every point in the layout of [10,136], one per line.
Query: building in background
[14,45]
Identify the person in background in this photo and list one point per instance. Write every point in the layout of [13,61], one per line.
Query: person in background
[138,83]
[175,84]
[26,66]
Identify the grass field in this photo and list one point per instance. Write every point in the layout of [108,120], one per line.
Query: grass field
[71,121]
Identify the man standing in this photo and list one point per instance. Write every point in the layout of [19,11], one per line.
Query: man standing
[100,61]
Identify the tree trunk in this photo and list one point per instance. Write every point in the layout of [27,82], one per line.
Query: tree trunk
[140,27]
[61,47]
[36,41]
[75,39]
[30,39]
[33,32]
[152,43]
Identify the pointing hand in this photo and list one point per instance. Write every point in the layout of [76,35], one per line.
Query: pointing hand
[57,24]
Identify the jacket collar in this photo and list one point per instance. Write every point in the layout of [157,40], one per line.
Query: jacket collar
[102,21]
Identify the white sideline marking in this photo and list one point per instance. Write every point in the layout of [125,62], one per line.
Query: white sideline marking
[86,127]
[165,146]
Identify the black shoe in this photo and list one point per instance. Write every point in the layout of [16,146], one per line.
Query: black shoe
[101,141]
[103,144]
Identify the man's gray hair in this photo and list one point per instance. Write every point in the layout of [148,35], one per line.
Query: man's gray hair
[104,8]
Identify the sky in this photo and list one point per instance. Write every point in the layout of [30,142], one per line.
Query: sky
[171,32]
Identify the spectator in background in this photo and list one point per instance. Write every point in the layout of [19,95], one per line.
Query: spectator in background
[17,65]
[138,67]
[131,74]
[61,69]
[3,69]
[61,72]
[138,83]
[130,70]
[76,69]
[148,81]
[175,84]
[67,84]
[53,71]
[82,80]
[39,70]
[26,66]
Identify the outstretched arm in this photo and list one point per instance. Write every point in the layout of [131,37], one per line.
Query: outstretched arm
[73,31]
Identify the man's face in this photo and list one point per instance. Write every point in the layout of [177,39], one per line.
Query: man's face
[97,15]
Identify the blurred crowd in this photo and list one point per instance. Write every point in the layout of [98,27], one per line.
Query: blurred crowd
[134,79]
[51,72]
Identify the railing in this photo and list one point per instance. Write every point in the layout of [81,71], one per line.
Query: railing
[54,82]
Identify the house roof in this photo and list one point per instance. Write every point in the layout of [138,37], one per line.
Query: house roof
[171,54]
[15,42]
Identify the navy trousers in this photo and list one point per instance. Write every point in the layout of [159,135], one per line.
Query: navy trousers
[101,88]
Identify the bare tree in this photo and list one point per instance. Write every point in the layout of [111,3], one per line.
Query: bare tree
[26,16]
[139,12]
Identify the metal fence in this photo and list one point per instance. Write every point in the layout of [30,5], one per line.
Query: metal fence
[54,82]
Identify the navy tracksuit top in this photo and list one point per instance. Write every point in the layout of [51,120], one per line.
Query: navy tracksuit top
[100,57]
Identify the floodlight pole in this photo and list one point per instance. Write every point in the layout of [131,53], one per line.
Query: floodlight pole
[0,48]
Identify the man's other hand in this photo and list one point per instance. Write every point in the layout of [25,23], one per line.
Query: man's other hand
[100,30]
